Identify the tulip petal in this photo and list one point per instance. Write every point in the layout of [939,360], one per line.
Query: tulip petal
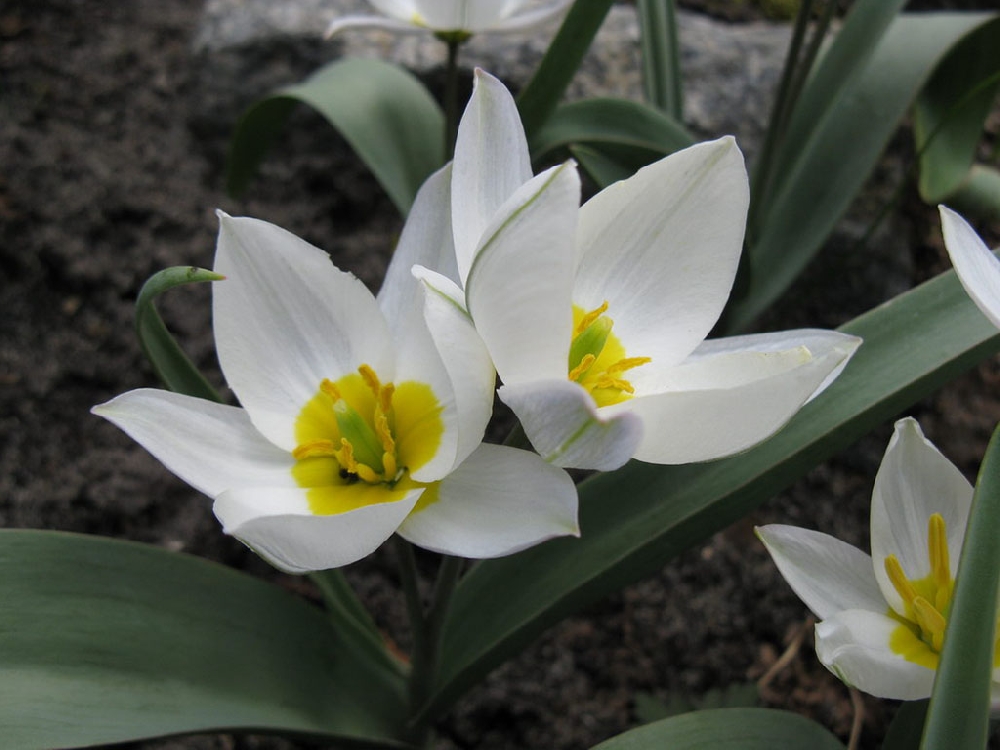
[978,269]
[285,318]
[360,23]
[404,10]
[727,402]
[562,423]
[461,15]
[828,575]
[913,482]
[532,18]
[278,525]
[210,446]
[519,289]
[854,645]
[662,248]
[463,354]
[499,501]
[491,163]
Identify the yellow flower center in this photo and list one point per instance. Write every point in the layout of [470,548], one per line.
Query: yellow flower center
[920,634]
[597,358]
[358,440]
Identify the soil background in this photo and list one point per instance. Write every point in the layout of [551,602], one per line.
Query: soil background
[110,170]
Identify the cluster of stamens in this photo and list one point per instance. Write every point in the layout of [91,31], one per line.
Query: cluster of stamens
[367,448]
[590,337]
[928,600]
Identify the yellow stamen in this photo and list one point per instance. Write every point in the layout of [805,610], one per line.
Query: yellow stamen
[930,621]
[330,389]
[370,378]
[937,551]
[345,457]
[627,364]
[899,580]
[607,381]
[577,372]
[314,449]
[590,317]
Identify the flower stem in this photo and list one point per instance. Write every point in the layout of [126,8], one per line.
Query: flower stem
[451,99]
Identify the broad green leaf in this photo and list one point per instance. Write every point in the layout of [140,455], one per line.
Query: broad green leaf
[907,725]
[603,168]
[959,712]
[171,364]
[950,111]
[539,98]
[606,122]
[104,641]
[384,113]
[833,159]
[721,728]
[636,519]
[661,64]
[979,194]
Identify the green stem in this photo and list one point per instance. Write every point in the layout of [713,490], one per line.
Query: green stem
[451,99]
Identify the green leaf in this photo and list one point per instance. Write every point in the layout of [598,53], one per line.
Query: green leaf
[721,728]
[950,111]
[738,695]
[171,364]
[105,641]
[604,169]
[959,713]
[383,112]
[539,98]
[604,122]
[661,64]
[904,732]
[636,519]
[830,162]
[979,194]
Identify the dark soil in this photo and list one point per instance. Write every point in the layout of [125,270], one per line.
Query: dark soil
[112,171]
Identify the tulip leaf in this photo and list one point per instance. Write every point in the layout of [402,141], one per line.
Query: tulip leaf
[538,99]
[171,364]
[607,122]
[636,519]
[104,641]
[904,732]
[386,115]
[722,728]
[830,162]
[959,712]
[661,65]
[950,112]
[601,167]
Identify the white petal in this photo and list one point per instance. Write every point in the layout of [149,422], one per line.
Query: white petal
[662,248]
[854,645]
[532,18]
[563,425]
[499,501]
[425,241]
[726,403]
[278,525]
[913,482]
[404,10]
[978,269]
[828,575]
[491,162]
[464,15]
[519,290]
[344,23]
[463,355]
[210,446]
[285,318]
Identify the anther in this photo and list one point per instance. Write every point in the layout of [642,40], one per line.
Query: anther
[590,317]
[331,390]
[314,449]
[930,621]
[577,372]
[899,580]
[628,363]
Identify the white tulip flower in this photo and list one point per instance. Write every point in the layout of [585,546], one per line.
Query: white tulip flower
[360,416]
[596,316]
[978,269]
[459,19]
[883,616]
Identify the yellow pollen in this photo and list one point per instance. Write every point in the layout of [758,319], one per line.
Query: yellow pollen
[370,378]
[590,317]
[607,381]
[330,389]
[899,580]
[580,369]
[930,621]
[628,363]
[314,449]
[937,551]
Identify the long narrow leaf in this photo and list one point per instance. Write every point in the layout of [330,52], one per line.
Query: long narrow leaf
[959,713]
[383,112]
[636,519]
[171,364]
[105,641]
[950,112]
[661,63]
[727,729]
[835,158]
[539,98]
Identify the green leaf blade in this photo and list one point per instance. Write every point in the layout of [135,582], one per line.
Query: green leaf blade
[386,115]
[105,641]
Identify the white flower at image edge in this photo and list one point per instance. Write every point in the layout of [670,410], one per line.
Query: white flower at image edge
[883,616]
[360,417]
[978,269]
[462,17]
[596,316]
